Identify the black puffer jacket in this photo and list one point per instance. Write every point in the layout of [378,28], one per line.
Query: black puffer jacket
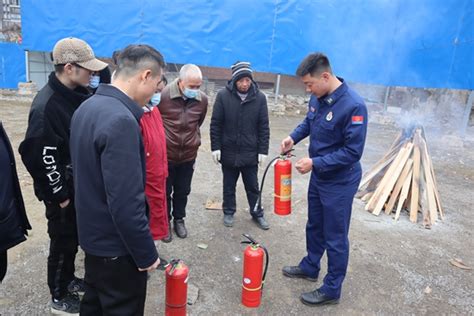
[13,221]
[240,128]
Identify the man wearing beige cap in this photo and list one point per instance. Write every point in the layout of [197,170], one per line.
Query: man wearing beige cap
[45,153]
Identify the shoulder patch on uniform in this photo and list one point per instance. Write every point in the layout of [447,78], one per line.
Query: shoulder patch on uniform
[357,120]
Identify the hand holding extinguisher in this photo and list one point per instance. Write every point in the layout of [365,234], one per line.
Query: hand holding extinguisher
[304,165]
[253,272]
[287,145]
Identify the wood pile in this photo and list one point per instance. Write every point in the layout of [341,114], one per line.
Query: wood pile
[403,179]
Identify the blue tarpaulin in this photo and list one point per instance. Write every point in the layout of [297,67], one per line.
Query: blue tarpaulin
[12,65]
[423,43]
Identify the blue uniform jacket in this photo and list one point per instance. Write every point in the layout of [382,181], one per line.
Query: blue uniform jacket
[337,126]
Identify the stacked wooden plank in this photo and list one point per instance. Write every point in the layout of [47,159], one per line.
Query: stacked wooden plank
[403,179]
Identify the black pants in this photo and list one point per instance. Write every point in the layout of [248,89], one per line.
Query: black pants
[62,230]
[178,187]
[114,286]
[250,178]
[3,264]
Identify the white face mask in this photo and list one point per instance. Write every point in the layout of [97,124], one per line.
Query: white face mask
[155,99]
[191,93]
[94,82]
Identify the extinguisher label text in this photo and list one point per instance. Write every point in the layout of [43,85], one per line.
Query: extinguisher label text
[285,188]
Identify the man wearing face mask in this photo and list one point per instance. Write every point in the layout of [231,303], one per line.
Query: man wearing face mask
[108,155]
[154,140]
[45,153]
[183,108]
[99,77]
[239,139]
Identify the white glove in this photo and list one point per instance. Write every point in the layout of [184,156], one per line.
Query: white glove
[216,156]
[261,159]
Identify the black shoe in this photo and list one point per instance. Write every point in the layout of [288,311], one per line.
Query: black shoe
[77,286]
[163,264]
[296,272]
[180,229]
[168,238]
[261,222]
[228,220]
[68,305]
[316,298]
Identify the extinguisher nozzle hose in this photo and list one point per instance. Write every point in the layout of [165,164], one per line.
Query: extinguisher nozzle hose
[281,156]
[267,260]
[252,241]
[259,200]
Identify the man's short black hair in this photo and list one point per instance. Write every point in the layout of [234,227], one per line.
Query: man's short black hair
[164,80]
[137,57]
[59,69]
[115,56]
[314,64]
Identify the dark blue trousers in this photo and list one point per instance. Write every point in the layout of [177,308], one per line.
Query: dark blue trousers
[329,215]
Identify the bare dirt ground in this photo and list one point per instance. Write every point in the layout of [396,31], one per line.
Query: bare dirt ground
[395,267]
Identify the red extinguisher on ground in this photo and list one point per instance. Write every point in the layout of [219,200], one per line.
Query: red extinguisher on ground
[177,274]
[254,272]
[282,194]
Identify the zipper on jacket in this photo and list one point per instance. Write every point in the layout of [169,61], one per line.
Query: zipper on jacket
[183,125]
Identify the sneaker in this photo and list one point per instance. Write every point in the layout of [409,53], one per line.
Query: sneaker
[76,286]
[68,305]
[228,220]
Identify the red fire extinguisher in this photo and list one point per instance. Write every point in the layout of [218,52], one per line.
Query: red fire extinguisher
[253,272]
[282,172]
[176,288]
[283,186]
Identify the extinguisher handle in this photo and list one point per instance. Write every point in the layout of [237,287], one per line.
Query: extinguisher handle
[173,264]
[288,153]
[250,240]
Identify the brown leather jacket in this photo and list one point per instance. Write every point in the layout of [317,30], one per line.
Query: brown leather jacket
[182,119]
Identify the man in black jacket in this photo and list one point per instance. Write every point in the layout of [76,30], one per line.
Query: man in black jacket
[45,153]
[13,221]
[239,139]
[109,176]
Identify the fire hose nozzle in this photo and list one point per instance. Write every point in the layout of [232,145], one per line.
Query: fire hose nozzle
[249,241]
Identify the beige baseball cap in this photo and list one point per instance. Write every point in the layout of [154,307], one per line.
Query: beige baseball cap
[76,51]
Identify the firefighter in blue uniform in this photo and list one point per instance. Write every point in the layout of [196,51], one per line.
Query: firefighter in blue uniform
[336,123]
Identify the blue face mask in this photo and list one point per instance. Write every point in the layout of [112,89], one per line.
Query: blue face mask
[94,82]
[191,93]
[155,99]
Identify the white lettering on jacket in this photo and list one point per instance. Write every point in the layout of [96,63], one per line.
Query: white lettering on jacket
[53,175]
